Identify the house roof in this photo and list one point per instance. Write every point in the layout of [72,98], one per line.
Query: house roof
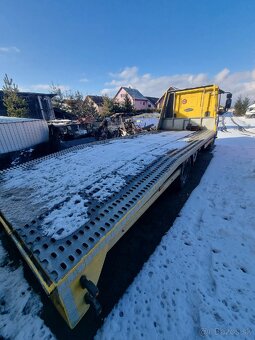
[134,93]
[171,88]
[31,94]
[99,100]
[153,100]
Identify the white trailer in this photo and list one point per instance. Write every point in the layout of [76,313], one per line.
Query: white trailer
[21,133]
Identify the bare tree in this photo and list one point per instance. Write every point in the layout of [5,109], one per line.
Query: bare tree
[58,99]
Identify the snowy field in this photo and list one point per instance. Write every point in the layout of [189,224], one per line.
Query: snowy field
[143,122]
[246,122]
[146,119]
[200,281]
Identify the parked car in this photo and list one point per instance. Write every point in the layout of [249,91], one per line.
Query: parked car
[250,113]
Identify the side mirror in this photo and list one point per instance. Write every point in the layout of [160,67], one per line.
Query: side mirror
[228,101]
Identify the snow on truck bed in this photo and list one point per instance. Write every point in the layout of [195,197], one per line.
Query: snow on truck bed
[98,171]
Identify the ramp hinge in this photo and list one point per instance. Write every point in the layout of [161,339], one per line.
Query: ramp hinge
[89,285]
[90,296]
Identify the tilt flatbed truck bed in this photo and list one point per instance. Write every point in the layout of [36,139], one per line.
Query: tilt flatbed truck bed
[64,212]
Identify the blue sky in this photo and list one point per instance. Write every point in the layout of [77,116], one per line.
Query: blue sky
[97,46]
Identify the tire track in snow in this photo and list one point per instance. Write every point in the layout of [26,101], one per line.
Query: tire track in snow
[242,128]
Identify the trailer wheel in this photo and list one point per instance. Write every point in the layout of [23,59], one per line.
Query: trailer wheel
[185,173]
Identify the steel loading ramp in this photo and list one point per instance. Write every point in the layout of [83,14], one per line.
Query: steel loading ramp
[59,262]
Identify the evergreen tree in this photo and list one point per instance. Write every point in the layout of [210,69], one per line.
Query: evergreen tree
[117,107]
[15,105]
[246,104]
[74,103]
[127,105]
[238,106]
[108,106]
[89,109]
[241,105]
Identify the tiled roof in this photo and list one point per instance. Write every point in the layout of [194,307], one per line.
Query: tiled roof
[171,88]
[134,93]
[153,100]
[30,94]
[99,100]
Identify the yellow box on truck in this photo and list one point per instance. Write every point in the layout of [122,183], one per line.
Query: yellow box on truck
[195,107]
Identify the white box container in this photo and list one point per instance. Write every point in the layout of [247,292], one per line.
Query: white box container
[21,133]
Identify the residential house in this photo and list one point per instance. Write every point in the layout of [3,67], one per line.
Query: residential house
[139,101]
[153,101]
[160,101]
[97,101]
[39,105]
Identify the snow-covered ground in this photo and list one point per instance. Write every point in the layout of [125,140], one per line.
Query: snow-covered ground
[146,119]
[200,281]
[143,122]
[19,306]
[246,122]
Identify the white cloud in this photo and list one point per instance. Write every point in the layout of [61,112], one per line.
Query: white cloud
[43,88]
[83,80]
[149,85]
[126,73]
[222,75]
[239,83]
[9,49]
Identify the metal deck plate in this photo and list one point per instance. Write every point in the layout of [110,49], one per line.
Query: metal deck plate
[56,258]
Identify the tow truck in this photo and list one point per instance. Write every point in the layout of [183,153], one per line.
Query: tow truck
[64,220]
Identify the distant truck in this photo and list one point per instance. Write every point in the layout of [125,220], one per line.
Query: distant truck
[83,200]
[250,113]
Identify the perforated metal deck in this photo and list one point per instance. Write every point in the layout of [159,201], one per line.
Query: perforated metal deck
[57,257]
[55,260]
